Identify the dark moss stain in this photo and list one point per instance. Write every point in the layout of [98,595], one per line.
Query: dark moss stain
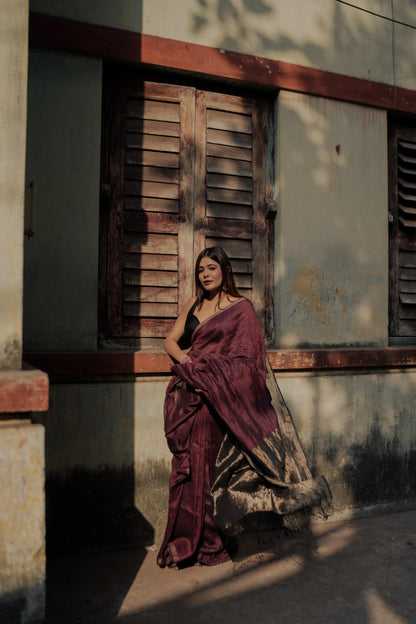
[373,472]
[12,355]
[23,605]
[379,471]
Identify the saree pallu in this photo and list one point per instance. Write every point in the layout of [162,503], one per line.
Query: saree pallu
[237,460]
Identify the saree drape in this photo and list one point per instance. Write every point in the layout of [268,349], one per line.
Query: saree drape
[237,460]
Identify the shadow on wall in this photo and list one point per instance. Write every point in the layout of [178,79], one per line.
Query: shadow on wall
[330,36]
[358,430]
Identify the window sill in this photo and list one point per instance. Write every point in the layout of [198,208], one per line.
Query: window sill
[158,363]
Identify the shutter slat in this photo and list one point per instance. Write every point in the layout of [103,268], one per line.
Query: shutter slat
[221,120]
[150,278]
[230,228]
[225,151]
[219,195]
[161,310]
[407,223]
[407,145]
[408,298]
[229,182]
[229,166]
[224,137]
[151,189]
[151,174]
[152,109]
[407,259]
[407,286]
[148,126]
[229,211]
[151,222]
[243,281]
[406,197]
[405,172]
[155,159]
[151,243]
[157,262]
[150,294]
[151,142]
[151,204]
[233,248]
[147,327]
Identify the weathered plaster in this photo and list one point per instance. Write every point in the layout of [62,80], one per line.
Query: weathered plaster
[106,451]
[13,72]
[326,34]
[23,391]
[22,522]
[332,224]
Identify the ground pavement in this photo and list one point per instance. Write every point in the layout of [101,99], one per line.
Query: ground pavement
[359,571]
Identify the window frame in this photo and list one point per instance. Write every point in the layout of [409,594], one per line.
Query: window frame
[399,129]
[110,245]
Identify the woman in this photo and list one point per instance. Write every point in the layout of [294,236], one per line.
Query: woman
[237,463]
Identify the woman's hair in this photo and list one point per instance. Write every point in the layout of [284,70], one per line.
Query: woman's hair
[228,283]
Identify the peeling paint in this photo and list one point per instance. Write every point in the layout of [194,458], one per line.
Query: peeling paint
[316,295]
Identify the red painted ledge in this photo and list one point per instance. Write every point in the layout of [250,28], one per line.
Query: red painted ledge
[23,391]
[158,363]
[48,31]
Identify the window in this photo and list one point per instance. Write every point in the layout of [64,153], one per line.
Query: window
[182,169]
[402,206]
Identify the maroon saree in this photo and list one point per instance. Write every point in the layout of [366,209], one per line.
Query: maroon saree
[237,460]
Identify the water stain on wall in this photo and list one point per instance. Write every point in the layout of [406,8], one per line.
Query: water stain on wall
[316,296]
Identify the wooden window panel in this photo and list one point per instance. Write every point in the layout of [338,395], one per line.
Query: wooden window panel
[230,188]
[148,165]
[402,237]
[186,169]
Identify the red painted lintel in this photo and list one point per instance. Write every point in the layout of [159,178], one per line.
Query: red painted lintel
[59,33]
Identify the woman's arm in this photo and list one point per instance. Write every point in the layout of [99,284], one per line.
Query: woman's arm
[170,344]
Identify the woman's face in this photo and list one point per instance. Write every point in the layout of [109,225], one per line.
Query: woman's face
[210,275]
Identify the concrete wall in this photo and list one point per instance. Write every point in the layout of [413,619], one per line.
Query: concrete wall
[325,34]
[63,160]
[358,430]
[22,523]
[13,72]
[108,463]
[22,502]
[332,225]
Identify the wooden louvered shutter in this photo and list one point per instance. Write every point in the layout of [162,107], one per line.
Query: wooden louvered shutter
[149,265]
[182,169]
[230,207]
[403,232]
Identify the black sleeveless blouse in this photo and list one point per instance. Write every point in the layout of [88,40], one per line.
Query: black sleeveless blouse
[191,324]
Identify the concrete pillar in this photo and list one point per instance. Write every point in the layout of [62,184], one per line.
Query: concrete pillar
[22,515]
[13,96]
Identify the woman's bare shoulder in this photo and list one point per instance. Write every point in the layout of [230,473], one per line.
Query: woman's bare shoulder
[188,305]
